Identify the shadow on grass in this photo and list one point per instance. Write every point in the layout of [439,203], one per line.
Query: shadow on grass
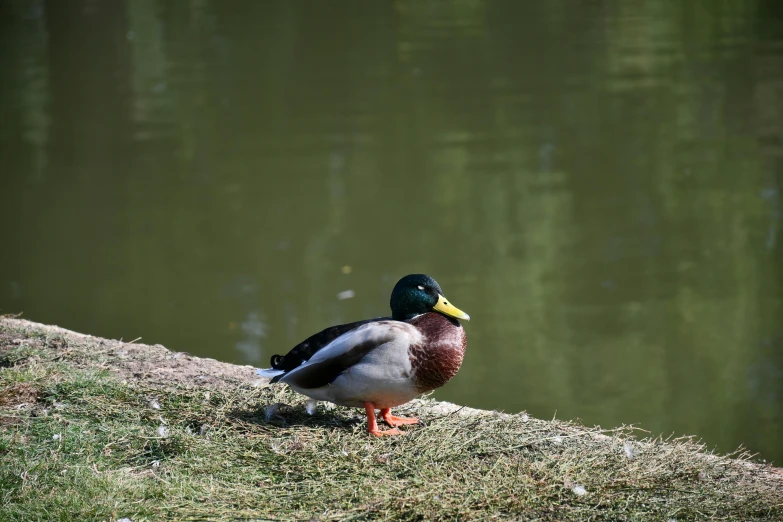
[281,415]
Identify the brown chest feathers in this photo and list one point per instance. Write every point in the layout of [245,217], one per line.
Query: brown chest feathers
[438,357]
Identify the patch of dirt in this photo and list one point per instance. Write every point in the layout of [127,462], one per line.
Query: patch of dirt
[18,394]
[8,342]
[152,364]
[159,365]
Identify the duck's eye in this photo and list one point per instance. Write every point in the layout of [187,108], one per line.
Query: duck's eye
[420,287]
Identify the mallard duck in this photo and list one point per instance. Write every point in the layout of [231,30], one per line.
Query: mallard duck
[384,362]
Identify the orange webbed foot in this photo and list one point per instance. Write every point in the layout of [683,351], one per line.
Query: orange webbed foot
[395,421]
[382,433]
[372,424]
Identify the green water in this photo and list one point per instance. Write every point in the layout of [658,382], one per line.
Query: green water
[598,184]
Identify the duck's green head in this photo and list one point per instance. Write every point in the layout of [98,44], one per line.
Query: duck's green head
[418,294]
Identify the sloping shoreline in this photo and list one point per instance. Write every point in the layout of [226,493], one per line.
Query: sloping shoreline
[93,428]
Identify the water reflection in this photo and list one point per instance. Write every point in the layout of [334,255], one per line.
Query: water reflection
[597,184]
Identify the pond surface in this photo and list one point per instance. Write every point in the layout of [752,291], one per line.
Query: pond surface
[597,183]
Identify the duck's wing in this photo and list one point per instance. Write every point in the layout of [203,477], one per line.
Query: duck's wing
[347,350]
[307,348]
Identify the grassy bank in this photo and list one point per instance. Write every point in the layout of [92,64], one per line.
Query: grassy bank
[93,429]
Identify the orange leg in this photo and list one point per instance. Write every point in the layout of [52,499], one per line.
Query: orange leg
[393,421]
[372,425]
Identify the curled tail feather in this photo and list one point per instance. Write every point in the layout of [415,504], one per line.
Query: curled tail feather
[270,373]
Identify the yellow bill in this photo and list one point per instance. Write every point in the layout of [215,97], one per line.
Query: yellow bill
[444,307]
